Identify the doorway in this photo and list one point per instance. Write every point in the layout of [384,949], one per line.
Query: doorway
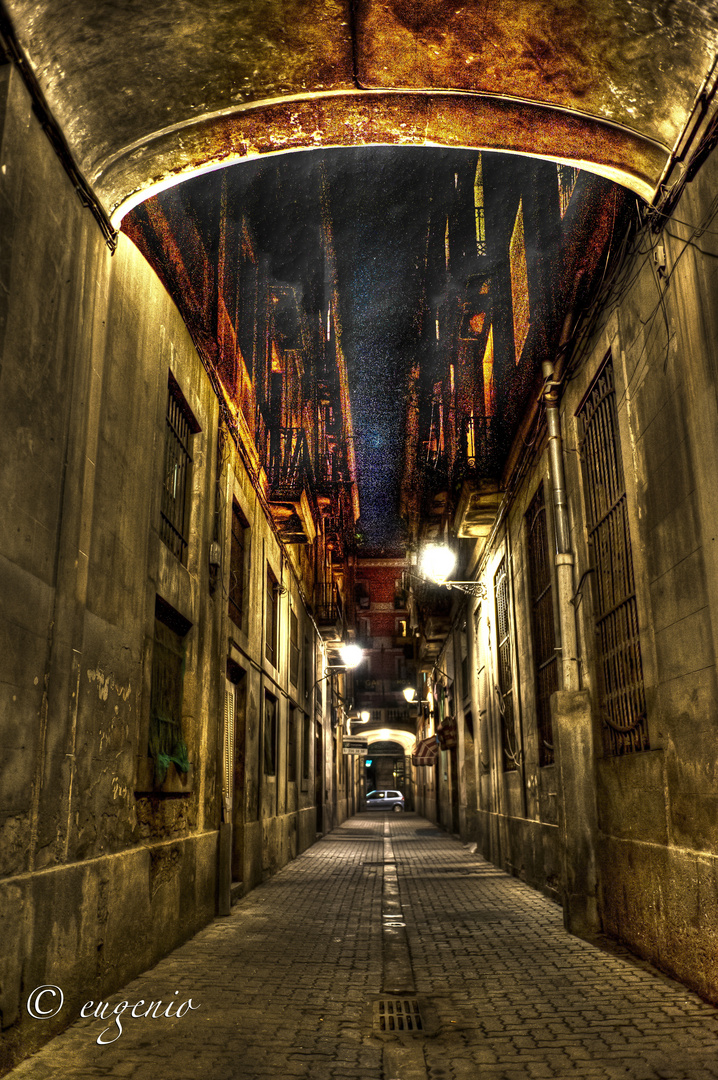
[318,774]
[237,689]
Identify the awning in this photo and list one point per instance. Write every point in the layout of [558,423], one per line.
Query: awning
[447,734]
[425,752]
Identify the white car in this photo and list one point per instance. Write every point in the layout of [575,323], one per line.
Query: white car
[383,799]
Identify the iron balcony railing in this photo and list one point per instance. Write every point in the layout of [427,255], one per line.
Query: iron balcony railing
[328,607]
[289,465]
[477,446]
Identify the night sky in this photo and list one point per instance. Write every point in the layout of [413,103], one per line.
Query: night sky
[379,202]
[379,207]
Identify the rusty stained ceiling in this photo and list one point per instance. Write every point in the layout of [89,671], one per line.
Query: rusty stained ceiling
[147,93]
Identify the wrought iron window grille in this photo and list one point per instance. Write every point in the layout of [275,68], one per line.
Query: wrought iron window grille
[621,691]
[174,510]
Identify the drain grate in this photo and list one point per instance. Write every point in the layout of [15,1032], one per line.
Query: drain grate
[399,1015]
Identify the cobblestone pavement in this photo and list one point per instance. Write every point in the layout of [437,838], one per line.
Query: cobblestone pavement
[288,985]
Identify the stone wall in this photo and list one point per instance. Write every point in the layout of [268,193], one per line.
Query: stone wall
[103,869]
[627,841]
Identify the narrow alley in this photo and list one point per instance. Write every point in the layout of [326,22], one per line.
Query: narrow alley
[386,913]
[359,447]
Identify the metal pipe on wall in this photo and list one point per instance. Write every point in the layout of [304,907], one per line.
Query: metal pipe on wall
[564,554]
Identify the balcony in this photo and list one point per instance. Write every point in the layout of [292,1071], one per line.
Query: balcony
[289,476]
[478,468]
[335,532]
[375,693]
[329,612]
[331,470]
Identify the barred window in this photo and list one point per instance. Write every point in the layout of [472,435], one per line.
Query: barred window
[505,693]
[621,693]
[174,511]
[271,617]
[543,630]
[166,741]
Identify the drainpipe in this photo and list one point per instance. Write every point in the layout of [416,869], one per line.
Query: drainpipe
[564,554]
[571,711]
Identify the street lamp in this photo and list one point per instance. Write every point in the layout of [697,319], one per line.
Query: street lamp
[410,695]
[351,656]
[437,562]
[363,718]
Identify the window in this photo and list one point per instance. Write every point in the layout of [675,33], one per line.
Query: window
[620,671]
[308,668]
[567,176]
[246,319]
[519,283]
[269,741]
[505,687]
[237,567]
[543,631]
[174,511]
[292,746]
[479,208]
[293,648]
[306,746]
[487,365]
[464,652]
[271,617]
[166,742]
[228,751]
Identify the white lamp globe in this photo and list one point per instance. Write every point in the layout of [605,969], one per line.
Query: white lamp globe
[351,655]
[437,562]
[409,693]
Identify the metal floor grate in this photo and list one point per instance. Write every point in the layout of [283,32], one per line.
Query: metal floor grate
[400,1015]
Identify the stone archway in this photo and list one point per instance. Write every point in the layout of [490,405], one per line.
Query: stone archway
[142,100]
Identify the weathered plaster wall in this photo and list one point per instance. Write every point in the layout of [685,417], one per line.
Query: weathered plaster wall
[648,820]
[93,874]
[101,875]
[657,810]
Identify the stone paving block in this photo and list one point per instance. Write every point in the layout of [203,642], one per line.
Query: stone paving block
[286,982]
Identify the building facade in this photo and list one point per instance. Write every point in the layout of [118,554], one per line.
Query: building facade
[177,496]
[579,678]
[178,550]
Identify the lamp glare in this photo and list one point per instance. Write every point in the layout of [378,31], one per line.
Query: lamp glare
[351,655]
[437,562]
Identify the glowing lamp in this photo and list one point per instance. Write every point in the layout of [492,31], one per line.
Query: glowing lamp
[351,655]
[437,562]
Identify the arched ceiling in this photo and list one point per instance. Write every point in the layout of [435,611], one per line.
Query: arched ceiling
[405,739]
[147,93]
